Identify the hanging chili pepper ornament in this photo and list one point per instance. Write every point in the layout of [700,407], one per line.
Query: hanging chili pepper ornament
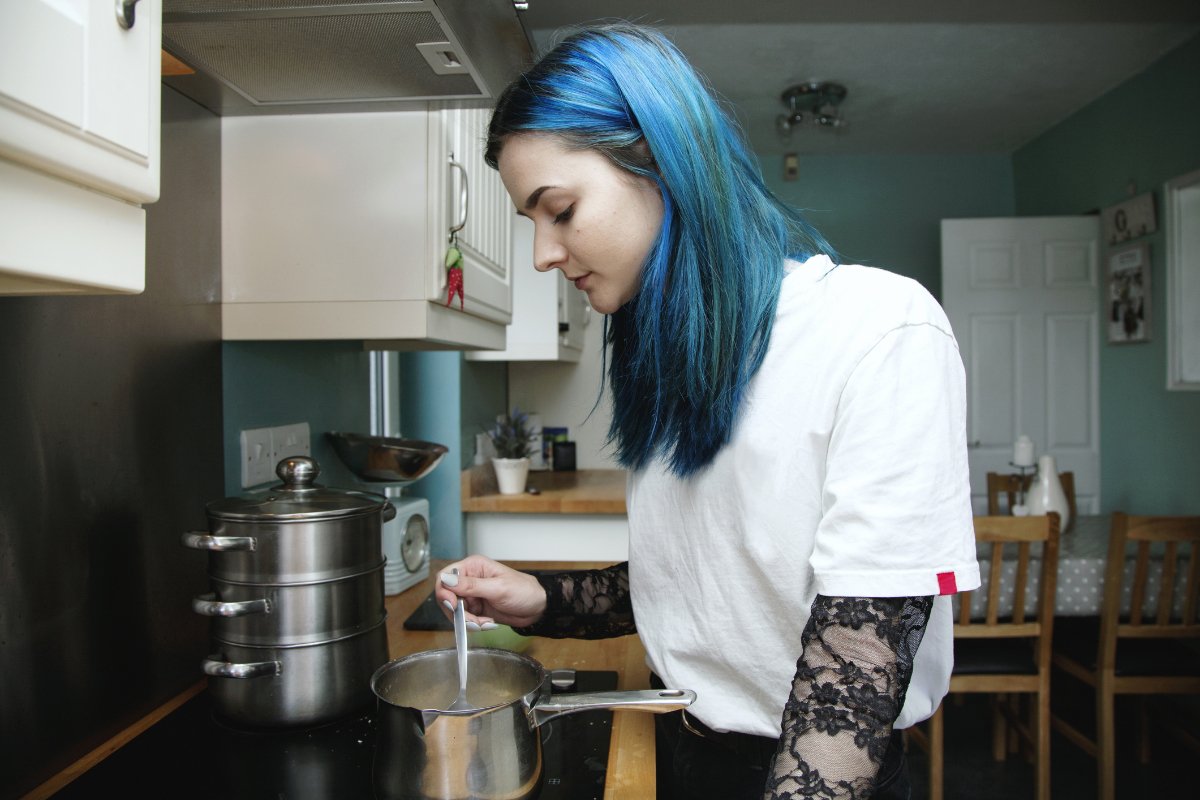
[454,276]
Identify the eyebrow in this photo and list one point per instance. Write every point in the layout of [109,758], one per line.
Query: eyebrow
[536,195]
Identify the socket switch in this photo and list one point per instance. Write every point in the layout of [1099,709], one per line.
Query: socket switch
[258,463]
[291,440]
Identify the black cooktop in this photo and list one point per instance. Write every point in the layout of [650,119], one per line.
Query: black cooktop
[191,754]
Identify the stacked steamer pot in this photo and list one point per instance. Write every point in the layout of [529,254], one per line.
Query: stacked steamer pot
[298,621]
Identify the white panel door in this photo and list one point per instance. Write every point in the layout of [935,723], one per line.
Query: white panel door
[1022,295]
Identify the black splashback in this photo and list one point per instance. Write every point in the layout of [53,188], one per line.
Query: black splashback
[110,445]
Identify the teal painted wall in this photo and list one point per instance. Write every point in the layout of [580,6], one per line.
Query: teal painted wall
[886,211]
[1143,133]
[484,395]
[430,387]
[279,383]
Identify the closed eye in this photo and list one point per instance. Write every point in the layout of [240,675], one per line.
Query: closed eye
[565,214]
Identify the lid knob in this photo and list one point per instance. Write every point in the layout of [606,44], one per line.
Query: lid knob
[297,472]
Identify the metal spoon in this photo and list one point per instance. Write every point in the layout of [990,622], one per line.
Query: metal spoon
[460,642]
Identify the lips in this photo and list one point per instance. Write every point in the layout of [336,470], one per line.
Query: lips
[581,282]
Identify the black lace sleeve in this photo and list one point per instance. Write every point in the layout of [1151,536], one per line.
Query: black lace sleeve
[849,687]
[585,604]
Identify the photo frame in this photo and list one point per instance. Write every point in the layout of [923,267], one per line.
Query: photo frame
[1129,294]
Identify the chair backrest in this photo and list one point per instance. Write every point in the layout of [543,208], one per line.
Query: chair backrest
[1003,484]
[1174,610]
[1021,533]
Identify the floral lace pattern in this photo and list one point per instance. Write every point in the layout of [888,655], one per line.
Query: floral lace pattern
[585,604]
[849,687]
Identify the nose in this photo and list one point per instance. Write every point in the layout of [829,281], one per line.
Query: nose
[548,253]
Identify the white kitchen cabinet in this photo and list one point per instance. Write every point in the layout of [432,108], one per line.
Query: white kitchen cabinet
[79,141]
[335,226]
[549,313]
[549,537]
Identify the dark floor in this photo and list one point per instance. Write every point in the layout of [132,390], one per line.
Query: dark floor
[971,772]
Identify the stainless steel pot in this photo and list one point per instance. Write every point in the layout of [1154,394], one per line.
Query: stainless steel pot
[493,751]
[297,532]
[292,685]
[293,613]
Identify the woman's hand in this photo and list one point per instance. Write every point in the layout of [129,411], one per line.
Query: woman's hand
[492,592]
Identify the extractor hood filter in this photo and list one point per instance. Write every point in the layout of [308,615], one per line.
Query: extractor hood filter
[319,59]
[321,54]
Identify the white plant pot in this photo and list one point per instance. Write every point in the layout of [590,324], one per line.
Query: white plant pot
[511,474]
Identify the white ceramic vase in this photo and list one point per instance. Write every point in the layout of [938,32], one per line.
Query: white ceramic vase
[511,474]
[1046,493]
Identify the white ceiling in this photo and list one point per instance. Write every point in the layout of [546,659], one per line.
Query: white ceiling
[923,76]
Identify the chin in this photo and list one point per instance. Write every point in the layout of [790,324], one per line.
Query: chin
[601,306]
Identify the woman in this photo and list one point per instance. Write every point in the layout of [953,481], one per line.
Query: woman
[794,431]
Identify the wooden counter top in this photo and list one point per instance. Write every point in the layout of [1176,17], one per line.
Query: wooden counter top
[587,491]
[631,754]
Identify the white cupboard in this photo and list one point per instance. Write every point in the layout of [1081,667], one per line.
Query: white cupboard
[549,313]
[79,140]
[335,226]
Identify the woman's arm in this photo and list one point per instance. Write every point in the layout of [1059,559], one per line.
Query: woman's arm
[849,687]
[585,604]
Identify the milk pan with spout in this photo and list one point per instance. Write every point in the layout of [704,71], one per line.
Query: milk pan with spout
[492,751]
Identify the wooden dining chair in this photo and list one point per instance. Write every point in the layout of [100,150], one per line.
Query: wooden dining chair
[1005,653]
[1141,649]
[1006,485]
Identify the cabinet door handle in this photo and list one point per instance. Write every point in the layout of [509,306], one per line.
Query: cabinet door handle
[125,13]
[462,198]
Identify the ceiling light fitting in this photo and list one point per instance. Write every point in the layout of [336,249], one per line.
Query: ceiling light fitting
[818,99]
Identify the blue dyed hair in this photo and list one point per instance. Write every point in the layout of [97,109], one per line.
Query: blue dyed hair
[684,349]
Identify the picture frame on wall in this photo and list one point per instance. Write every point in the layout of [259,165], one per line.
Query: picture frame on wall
[1129,294]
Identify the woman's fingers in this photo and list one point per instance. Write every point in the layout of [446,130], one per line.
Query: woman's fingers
[491,591]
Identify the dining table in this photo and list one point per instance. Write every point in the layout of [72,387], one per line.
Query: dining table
[1082,566]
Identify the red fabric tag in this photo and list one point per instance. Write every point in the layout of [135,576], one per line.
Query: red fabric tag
[946,583]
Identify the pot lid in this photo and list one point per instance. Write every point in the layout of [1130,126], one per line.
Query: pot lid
[299,497]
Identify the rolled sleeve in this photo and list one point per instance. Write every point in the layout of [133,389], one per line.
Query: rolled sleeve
[897,518]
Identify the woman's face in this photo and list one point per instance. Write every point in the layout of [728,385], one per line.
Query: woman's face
[594,221]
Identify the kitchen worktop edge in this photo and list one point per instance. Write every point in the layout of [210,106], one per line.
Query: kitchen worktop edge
[586,491]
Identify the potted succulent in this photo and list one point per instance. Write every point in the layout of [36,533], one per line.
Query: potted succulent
[512,437]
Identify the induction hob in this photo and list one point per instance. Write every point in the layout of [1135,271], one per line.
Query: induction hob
[190,754]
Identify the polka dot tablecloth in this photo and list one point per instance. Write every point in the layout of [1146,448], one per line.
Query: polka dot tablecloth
[1082,557]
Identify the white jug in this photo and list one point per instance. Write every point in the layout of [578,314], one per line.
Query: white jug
[1046,493]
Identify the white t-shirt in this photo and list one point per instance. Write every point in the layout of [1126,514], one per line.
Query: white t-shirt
[846,476]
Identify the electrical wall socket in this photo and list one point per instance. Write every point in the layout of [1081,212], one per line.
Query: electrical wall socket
[263,448]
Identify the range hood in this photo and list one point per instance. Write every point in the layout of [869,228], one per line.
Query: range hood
[313,56]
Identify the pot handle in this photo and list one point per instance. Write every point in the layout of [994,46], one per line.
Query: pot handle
[223,669]
[209,606]
[656,701]
[198,540]
[389,511]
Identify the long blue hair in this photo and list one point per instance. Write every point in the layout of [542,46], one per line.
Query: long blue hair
[683,350]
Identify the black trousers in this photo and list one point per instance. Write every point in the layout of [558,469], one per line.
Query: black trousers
[694,763]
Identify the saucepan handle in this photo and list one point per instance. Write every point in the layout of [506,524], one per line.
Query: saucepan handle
[209,606]
[198,540]
[656,701]
[214,666]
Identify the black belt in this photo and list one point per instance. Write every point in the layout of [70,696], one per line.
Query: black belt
[759,750]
